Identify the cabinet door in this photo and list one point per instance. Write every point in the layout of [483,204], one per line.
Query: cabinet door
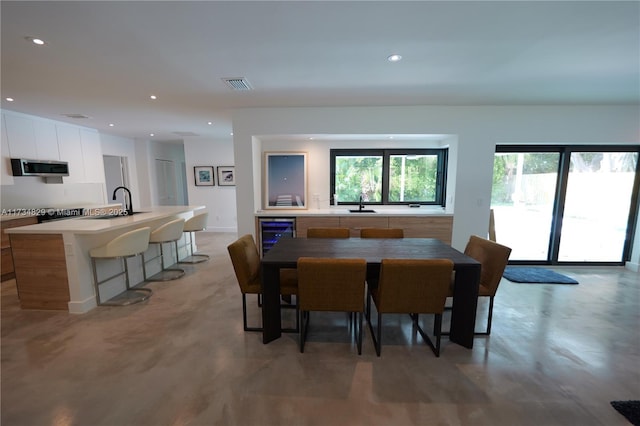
[46,141]
[356,223]
[6,176]
[305,222]
[21,136]
[70,148]
[439,227]
[92,156]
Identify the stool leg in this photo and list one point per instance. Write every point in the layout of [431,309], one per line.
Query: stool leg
[126,273]
[95,280]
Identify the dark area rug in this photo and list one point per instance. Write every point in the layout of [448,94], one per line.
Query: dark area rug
[519,274]
[629,409]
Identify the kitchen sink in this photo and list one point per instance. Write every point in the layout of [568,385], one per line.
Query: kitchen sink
[361,211]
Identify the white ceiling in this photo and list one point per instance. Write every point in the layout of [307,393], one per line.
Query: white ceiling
[104,59]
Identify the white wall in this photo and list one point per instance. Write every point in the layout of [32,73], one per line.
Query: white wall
[478,130]
[220,201]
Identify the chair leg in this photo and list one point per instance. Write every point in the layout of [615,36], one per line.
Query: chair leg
[304,326]
[437,324]
[379,334]
[359,324]
[244,315]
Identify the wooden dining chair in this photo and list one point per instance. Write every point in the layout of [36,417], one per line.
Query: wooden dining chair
[381,233]
[328,233]
[330,284]
[246,265]
[493,258]
[411,286]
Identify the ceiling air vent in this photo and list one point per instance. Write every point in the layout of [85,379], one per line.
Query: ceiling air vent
[76,116]
[237,83]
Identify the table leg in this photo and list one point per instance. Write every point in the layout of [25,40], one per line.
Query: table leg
[271,328]
[465,303]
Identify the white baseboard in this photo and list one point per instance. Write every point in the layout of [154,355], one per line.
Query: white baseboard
[635,267]
[83,306]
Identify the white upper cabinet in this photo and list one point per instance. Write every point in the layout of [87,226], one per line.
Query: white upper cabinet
[21,136]
[6,176]
[92,156]
[46,141]
[70,148]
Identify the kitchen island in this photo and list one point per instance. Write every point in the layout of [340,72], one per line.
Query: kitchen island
[52,263]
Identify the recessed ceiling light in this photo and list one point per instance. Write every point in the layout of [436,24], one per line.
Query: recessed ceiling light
[231,134]
[111,124]
[151,134]
[9,99]
[209,123]
[154,97]
[36,40]
[394,58]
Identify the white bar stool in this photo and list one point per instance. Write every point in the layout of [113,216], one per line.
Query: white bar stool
[167,233]
[195,224]
[129,244]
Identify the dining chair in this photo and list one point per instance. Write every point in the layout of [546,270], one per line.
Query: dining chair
[381,233]
[493,258]
[331,284]
[328,233]
[411,286]
[246,265]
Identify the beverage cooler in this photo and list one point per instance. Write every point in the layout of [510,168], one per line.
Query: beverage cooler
[272,229]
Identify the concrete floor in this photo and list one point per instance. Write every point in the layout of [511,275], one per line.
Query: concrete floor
[558,354]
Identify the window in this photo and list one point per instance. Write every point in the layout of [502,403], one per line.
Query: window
[389,176]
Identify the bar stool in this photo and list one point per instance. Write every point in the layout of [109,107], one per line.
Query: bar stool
[195,224]
[170,232]
[127,245]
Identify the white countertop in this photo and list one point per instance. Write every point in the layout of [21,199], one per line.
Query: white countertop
[92,225]
[344,211]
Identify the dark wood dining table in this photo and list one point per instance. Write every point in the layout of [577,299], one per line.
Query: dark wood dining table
[285,254]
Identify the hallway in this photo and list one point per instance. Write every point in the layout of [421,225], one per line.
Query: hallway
[558,355]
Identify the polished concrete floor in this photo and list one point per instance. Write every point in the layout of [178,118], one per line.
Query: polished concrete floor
[557,355]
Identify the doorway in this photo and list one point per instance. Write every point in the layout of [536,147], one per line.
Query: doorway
[167,183]
[116,174]
[566,204]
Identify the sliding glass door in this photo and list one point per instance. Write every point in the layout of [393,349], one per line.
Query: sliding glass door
[565,204]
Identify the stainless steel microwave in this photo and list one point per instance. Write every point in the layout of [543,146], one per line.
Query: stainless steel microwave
[22,167]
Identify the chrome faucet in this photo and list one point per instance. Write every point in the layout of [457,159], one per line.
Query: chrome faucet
[361,206]
[129,207]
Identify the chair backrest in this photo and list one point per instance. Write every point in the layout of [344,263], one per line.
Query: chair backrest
[492,256]
[170,231]
[128,244]
[381,233]
[328,233]
[246,262]
[196,223]
[330,284]
[413,285]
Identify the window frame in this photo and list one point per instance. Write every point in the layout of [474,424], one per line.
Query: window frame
[442,155]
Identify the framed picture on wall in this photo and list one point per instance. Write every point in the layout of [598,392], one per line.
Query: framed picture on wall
[204,175]
[226,176]
[285,180]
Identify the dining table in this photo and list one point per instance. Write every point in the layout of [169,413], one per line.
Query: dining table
[286,252]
